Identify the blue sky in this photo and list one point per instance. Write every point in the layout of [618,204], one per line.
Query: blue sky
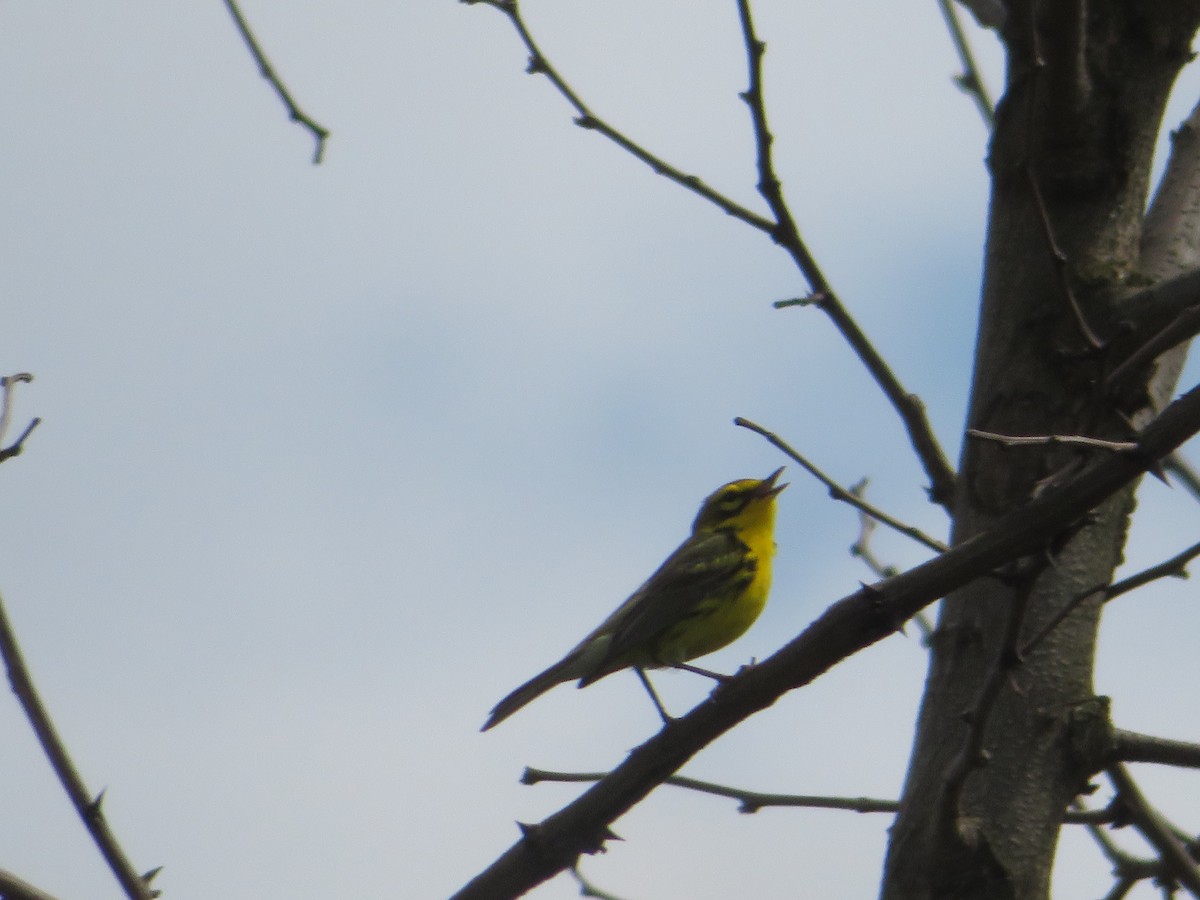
[334,457]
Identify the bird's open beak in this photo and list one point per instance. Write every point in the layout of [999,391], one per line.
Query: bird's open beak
[768,488]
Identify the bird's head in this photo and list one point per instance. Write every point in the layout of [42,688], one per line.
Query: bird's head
[739,503]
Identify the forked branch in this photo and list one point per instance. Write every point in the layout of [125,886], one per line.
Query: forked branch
[857,621]
[295,113]
[780,227]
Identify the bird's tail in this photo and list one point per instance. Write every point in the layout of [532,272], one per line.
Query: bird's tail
[566,669]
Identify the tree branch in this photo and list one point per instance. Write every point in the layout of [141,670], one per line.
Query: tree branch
[1156,830]
[539,64]
[785,233]
[7,385]
[782,230]
[837,492]
[849,625]
[88,807]
[319,133]
[13,887]
[971,80]
[1129,746]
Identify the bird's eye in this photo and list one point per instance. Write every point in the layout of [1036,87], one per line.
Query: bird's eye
[731,502]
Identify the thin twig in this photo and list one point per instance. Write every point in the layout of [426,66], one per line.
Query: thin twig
[539,64]
[787,235]
[87,806]
[1128,869]
[749,801]
[587,889]
[837,492]
[1058,256]
[1043,440]
[752,801]
[320,134]
[861,548]
[8,384]
[783,231]
[18,445]
[1156,830]
[1168,568]
[971,80]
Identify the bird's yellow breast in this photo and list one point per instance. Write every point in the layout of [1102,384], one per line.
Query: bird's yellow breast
[727,614]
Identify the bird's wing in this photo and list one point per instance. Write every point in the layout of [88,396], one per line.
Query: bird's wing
[701,565]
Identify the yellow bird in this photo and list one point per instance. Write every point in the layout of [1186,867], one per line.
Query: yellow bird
[706,594]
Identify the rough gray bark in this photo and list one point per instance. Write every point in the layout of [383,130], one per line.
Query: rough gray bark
[1002,744]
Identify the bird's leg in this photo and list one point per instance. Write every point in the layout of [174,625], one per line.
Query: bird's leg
[662,710]
[715,676]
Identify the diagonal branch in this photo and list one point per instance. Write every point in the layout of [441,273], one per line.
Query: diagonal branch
[1175,567]
[1156,830]
[539,64]
[88,807]
[971,80]
[857,621]
[782,229]
[13,887]
[320,134]
[786,233]
[837,492]
[750,801]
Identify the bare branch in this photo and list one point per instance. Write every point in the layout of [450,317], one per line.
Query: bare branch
[319,133]
[783,231]
[14,888]
[749,801]
[1043,440]
[787,235]
[1058,257]
[87,806]
[971,80]
[587,889]
[1175,567]
[1156,830]
[1169,568]
[861,548]
[837,492]
[540,65]
[8,384]
[1129,746]
[753,801]
[857,621]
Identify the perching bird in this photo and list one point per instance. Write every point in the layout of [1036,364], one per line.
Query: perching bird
[706,594]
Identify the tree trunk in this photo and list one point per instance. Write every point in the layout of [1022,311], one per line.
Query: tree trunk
[1002,743]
